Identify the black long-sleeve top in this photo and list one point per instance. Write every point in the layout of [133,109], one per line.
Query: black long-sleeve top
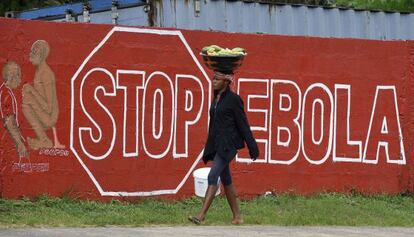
[229,128]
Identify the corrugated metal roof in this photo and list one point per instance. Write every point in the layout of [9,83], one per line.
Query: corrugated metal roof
[49,11]
[77,8]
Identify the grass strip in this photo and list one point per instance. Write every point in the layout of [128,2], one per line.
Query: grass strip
[325,209]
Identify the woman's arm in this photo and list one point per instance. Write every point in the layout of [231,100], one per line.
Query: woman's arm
[244,128]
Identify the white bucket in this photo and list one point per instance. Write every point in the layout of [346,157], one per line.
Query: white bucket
[201,182]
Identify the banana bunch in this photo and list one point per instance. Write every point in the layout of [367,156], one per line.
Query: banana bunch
[214,50]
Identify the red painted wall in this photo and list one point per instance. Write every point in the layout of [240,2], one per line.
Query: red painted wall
[328,114]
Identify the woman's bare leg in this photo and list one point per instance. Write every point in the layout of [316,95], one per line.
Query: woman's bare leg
[209,197]
[231,196]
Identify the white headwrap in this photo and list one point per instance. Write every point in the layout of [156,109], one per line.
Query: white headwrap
[229,77]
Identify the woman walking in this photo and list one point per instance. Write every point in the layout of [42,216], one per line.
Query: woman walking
[228,130]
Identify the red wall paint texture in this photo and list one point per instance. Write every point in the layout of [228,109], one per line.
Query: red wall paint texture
[328,114]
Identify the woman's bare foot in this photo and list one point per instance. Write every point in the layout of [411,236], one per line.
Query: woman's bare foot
[196,219]
[237,221]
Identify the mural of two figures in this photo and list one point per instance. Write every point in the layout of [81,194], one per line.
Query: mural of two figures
[39,103]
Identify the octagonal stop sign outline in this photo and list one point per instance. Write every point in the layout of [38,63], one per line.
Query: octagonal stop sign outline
[139,112]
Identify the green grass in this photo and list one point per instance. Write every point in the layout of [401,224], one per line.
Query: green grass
[322,209]
[387,5]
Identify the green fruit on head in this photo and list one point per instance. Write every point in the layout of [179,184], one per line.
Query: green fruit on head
[215,50]
[215,47]
[204,50]
[211,50]
[223,53]
[238,50]
[238,53]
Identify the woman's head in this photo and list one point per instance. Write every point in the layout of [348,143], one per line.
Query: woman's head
[222,80]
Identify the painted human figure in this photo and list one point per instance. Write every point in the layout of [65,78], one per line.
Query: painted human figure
[8,105]
[40,103]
